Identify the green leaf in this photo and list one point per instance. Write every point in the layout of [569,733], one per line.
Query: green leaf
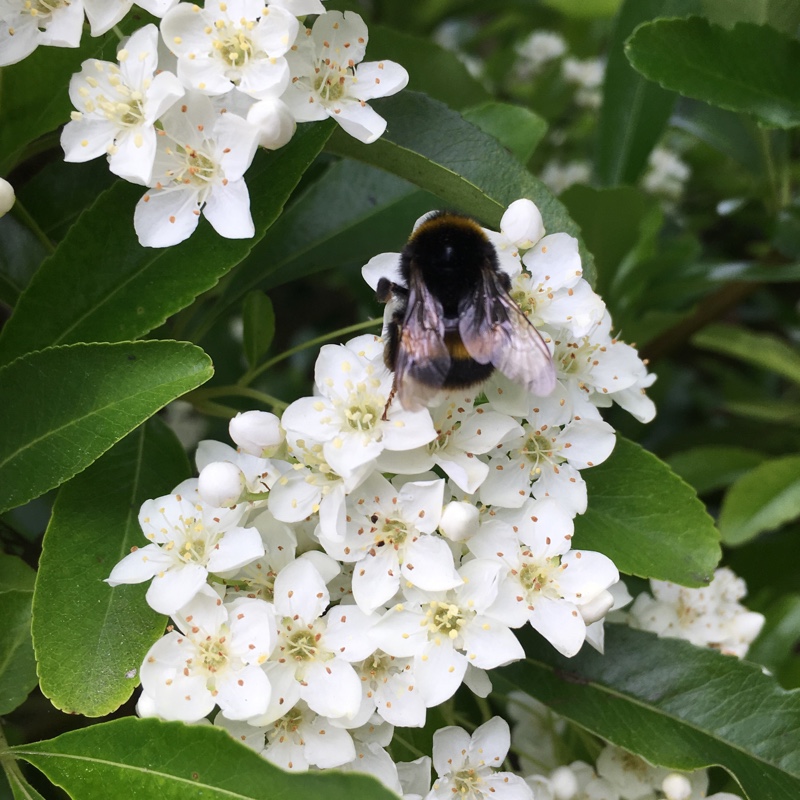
[65,406]
[258,317]
[634,111]
[438,150]
[781,14]
[676,705]
[172,761]
[17,664]
[750,68]
[647,520]
[759,349]
[775,412]
[433,70]
[91,639]
[515,127]
[118,289]
[350,214]
[714,467]
[31,105]
[762,500]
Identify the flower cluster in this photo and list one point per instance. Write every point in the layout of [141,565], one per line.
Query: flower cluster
[186,122]
[711,616]
[352,564]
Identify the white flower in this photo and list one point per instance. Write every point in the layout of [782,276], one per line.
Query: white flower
[588,77]
[274,120]
[520,228]
[545,460]
[313,657]
[603,369]
[221,484]
[189,540]
[233,44]
[391,535]
[328,79]
[543,583]
[553,291]
[558,177]
[212,657]
[200,160]
[666,173]
[446,631]
[117,107]
[258,433]
[539,48]
[296,741]
[466,765]
[347,415]
[711,616]
[7,197]
[463,431]
[24,25]
[370,740]
[105,14]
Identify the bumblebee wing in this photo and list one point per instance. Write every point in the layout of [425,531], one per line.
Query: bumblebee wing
[494,330]
[422,361]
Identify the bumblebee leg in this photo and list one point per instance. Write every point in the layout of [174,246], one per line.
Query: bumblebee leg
[386,290]
[385,418]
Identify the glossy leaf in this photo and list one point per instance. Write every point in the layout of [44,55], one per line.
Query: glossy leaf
[258,318]
[749,68]
[781,14]
[20,255]
[647,520]
[675,704]
[173,761]
[515,127]
[759,349]
[347,216]
[714,467]
[437,149]
[761,500]
[20,788]
[106,283]
[17,664]
[65,406]
[586,9]
[634,111]
[90,639]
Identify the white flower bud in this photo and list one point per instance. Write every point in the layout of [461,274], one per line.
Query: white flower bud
[676,787]
[221,484]
[257,432]
[596,609]
[7,197]
[564,783]
[747,625]
[522,223]
[459,521]
[275,122]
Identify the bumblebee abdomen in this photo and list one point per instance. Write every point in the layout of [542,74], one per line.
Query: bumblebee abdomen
[464,370]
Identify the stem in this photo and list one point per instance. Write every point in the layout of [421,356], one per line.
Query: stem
[201,396]
[118,33]
[25,217]
[772,178]
[711,308]
[254,372]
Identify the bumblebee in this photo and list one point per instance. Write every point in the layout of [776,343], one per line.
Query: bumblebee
[454,322]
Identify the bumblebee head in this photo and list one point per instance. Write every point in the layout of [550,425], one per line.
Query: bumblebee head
[450,244]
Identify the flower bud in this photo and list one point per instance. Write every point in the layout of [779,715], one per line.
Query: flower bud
[274,121]
[676,787]
[257,432]
[221,484]
[459,521]
[522,223]
[7,197]
[596,609]
[564,783]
